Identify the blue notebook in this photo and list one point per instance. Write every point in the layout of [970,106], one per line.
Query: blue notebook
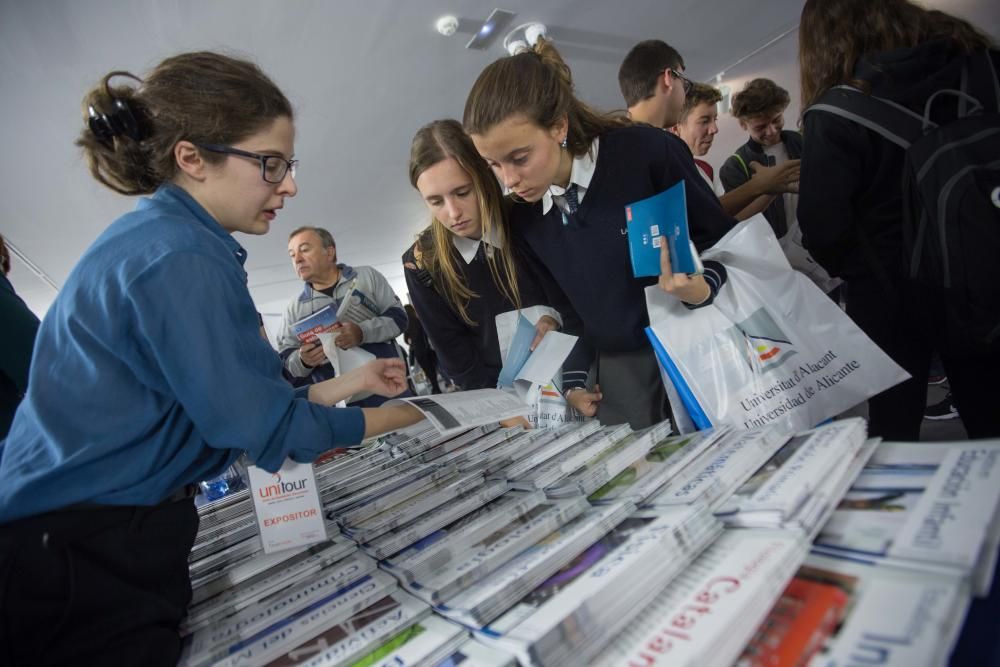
[659,219]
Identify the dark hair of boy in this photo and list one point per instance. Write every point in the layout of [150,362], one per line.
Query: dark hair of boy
[642,67]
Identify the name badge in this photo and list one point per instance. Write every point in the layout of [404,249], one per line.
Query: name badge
[287,506]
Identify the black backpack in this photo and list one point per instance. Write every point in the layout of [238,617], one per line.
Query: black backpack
[951,190]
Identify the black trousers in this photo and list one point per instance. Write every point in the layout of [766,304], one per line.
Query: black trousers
[96,585]
[910,325]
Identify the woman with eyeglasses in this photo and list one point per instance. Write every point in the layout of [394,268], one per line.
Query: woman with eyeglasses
[573,171]
[149,372]
[458,278]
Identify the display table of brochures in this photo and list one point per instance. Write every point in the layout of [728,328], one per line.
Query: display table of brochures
[589,544]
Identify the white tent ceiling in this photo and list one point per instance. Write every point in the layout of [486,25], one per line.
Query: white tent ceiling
[363,77]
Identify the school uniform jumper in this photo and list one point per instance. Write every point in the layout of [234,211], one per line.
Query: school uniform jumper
[469,354]
[588,258]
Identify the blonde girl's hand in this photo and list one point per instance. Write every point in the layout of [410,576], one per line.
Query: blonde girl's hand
[544,325]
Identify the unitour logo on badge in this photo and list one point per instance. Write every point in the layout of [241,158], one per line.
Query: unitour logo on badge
[281,488]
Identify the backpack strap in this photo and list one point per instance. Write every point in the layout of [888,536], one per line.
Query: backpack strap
[893,121]
[743,164]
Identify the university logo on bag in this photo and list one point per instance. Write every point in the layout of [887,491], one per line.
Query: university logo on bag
[767,346]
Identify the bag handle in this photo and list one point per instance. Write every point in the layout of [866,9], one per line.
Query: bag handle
[962,99]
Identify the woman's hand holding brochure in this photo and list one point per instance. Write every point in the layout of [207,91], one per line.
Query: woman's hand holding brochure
[544,325]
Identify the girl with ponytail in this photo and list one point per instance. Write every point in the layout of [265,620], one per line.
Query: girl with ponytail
[571,171]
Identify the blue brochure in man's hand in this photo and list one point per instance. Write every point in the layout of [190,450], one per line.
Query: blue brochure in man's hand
[518,353]
[659,219]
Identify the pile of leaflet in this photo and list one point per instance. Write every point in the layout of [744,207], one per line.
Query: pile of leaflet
[839,612]
[708,613]
[590,544]
[801,484]
[568,618]
[929,507]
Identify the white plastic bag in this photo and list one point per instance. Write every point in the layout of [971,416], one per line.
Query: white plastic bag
[771,348]
[549,407]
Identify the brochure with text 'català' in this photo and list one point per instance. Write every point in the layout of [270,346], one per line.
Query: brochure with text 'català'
[660,219]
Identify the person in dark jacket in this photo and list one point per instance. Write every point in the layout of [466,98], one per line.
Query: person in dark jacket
[457,279]
[851,203]
[573,171]
[17,338]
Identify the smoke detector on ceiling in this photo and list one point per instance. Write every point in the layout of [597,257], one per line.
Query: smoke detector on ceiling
[447,25]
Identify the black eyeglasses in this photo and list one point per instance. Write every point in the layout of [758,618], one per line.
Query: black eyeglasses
[686,82]
[273,168]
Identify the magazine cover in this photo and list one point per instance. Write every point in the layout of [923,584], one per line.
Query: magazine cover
[364,631]
[472,563]
[908,509]
[649,473]
[892,616]
[798,625]
[397,539]
[322,321]
[284,629]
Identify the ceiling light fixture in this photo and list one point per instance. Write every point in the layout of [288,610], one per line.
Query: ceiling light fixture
[523,37]
[494,23]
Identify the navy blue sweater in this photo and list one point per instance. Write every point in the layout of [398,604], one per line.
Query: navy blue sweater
[469,355]
[589,258]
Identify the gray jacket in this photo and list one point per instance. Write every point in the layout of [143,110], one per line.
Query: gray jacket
[377,332]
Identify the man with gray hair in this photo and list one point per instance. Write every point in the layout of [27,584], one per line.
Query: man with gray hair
[376,316]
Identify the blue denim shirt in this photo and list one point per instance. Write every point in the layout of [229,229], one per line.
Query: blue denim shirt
[149,373]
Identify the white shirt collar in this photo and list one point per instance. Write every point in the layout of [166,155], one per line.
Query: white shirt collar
[468,248]
[581,174]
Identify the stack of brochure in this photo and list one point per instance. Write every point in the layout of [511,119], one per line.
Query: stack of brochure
[364,527]
[295,612]
[230,551]
[799,624]
[721,469]
[571,458]
[389,492]
[436,444]
[894,616]
[426,643]
[472,562]
[546,444]
[647,474]
[398,538]
[343,643]
[707,615]
[933,507]
[287,569]
[473,654]
[801,484]
[571,616]
[609,463]
[427,555]
[489,598]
